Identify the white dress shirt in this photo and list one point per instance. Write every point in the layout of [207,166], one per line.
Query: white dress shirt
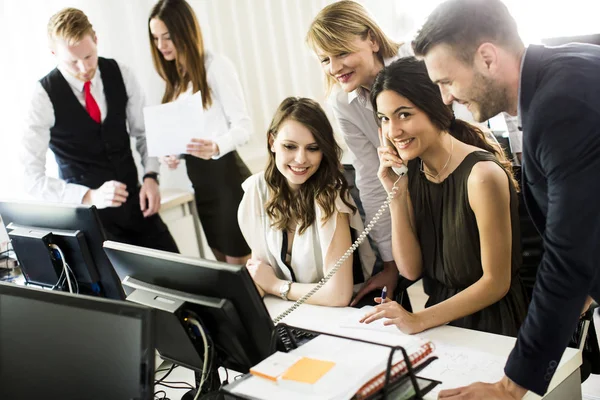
[514,124]
[515,136]
[309,248]
[40,119]
[226,120]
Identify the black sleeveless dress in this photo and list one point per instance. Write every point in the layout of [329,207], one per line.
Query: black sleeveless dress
[447,231]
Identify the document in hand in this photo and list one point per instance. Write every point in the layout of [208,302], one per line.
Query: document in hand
[171,126]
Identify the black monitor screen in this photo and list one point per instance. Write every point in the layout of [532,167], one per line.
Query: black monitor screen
[60,346]
[59,218]
[230,308]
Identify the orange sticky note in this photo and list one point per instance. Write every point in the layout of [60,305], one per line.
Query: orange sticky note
[274,366]
[307,370]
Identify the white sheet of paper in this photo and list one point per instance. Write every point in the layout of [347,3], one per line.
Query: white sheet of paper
[457,366]
[171,126]
[353,322]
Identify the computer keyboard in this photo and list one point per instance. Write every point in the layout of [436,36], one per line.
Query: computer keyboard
[298,337]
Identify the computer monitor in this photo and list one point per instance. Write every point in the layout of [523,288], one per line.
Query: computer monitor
[222,296]
[55,345]
[78,232]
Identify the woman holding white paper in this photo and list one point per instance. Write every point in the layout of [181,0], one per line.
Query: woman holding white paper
[213,165]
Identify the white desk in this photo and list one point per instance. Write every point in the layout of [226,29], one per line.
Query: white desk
[565,385]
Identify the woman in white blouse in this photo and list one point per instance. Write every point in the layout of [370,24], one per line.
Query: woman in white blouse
[213,166]
[297,215]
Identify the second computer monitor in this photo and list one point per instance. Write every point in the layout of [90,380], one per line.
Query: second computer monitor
[223,295]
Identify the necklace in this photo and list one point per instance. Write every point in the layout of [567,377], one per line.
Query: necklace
[435,177]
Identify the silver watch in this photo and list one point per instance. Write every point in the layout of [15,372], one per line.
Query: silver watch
[284,289]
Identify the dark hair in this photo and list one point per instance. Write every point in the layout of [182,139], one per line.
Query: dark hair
[323,186]
[184,30]
[408,77]
[465,24]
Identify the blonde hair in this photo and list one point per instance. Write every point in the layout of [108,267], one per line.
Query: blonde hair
[70,25]
[336,26]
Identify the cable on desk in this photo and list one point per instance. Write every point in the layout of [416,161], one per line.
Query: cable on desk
[64,262]
[178,383]
[161,398]
[60,279]
[74,279]
[165,369]
[174,387]
[204,356]
[167,374]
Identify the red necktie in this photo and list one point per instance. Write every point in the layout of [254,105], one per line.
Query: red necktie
[90,104]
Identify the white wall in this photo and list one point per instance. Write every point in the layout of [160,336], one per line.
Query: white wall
[264,38]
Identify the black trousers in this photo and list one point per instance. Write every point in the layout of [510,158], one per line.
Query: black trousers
[218,192]
[126,224]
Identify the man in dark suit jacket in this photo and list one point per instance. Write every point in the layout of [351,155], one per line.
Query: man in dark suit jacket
[473,52]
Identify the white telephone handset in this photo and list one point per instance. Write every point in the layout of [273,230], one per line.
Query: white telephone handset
[400,171]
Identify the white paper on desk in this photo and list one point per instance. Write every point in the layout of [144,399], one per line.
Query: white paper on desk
[352,321]
[356,363]
[458,366]
[171,126]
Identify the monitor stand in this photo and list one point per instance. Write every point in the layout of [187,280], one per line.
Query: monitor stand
[171,305]
[210,388]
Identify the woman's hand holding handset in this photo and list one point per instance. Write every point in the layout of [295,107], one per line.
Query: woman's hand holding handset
[391,166]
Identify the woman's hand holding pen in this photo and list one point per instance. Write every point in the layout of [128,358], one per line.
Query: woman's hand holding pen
[388,158]
[263,275]
[407,322]
[202,148]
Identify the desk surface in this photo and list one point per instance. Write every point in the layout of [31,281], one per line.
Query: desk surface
[327,319]
[171,197]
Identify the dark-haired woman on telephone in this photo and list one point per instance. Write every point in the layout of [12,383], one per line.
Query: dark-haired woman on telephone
[454,217]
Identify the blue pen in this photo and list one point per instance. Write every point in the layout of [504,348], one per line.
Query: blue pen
[383,294]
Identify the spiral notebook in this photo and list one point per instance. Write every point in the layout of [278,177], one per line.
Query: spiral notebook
[399,369]
[356,362]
